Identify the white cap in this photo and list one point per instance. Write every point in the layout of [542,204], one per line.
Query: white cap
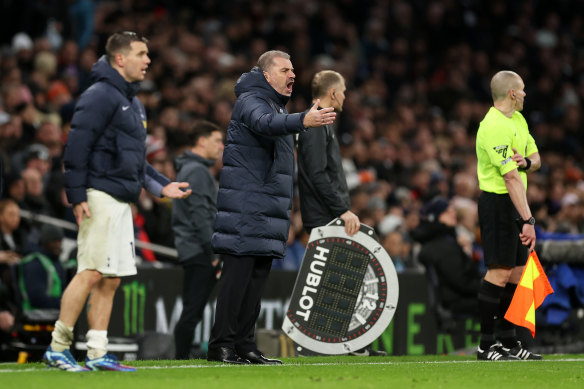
[21,41]
[4,118]
[390,223]
[570,199]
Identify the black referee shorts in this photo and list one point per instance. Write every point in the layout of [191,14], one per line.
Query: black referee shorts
[500,232]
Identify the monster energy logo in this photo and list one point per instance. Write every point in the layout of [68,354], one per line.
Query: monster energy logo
[134,307]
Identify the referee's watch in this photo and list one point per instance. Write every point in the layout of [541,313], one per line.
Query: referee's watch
[531,221]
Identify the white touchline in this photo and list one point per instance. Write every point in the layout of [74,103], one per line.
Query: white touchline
[296,365]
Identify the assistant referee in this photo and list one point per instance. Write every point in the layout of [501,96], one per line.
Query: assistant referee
[506,151]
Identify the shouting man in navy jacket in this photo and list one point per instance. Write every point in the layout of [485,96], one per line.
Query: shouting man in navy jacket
[254,200]
[105,170]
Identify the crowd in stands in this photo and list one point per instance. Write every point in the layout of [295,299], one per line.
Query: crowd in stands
[417,75]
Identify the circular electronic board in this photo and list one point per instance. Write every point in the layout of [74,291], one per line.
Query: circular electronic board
[345,294]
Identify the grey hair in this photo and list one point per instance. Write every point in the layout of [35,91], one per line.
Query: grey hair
[266,60]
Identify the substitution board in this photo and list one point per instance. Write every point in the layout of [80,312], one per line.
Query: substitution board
[346,292]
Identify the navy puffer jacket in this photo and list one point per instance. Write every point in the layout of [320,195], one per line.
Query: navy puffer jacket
[256,184]
[106,146]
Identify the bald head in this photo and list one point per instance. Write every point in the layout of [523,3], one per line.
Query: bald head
[504,81]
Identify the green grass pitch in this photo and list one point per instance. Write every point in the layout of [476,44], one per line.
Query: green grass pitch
[555,371]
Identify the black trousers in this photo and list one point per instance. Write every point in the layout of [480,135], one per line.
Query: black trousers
[238,305]
[198,283]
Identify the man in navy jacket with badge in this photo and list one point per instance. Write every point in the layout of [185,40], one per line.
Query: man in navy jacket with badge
[254,200]
[105,170]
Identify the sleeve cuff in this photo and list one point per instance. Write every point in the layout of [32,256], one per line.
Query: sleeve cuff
[77,195]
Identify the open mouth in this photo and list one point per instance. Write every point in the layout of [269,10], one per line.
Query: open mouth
[289,86]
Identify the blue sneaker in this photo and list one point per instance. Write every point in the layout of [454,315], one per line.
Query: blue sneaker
[62,360]
[107,362]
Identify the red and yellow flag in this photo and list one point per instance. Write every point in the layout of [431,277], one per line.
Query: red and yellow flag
[530,293]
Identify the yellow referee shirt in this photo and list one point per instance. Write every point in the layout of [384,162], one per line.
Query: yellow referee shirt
[496,138]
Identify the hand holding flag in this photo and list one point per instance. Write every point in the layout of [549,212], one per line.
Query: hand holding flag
[529,295]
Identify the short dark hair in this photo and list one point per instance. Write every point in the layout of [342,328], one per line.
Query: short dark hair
[121,42]
[323,81]
[266,60]
[202,129]
[5,203]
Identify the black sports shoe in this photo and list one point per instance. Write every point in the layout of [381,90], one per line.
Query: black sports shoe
[494,353]
[368,352]
[518,352]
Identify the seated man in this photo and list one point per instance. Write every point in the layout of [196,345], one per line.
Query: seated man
[458,276]
[41,277]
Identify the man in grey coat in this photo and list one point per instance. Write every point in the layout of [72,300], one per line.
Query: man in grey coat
[192,224]
[324,194]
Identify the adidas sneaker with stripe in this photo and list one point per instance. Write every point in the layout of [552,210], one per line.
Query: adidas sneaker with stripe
[494,353]
[518,352]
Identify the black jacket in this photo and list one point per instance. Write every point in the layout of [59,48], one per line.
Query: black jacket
[256,183]
[324,194]
[38,283]
[459,277]
[106,147]
[193,217]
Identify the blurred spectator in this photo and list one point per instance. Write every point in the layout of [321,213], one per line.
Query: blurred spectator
[10,133]
[36,156]
[295,245]
[35,200]
[41,276]
[141,234]
[86,60]
[12,244]
[22,48]
[458,276]
[58,94]
[391,222]
[14,187]
[570,215]
[50,135]
[81,15]
[45,69]
[13,241]
[398,250]
[156,211]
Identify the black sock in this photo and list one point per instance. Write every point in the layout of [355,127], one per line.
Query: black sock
[489,302]
[506,328]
